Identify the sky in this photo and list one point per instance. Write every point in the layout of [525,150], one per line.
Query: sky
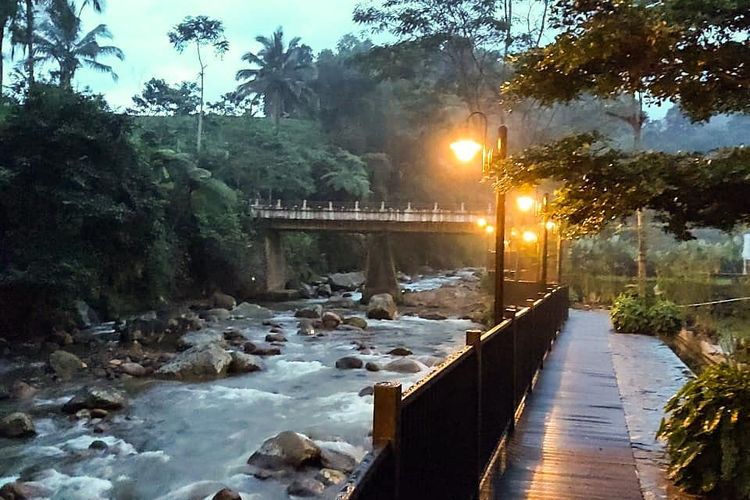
[140,29]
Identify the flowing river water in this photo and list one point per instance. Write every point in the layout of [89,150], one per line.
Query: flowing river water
[188,440]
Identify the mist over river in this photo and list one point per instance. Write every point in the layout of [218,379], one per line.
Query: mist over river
[180,440]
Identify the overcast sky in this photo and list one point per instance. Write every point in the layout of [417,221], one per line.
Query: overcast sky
[140,29]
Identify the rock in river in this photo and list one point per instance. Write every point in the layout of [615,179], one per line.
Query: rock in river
[400,351]
[349,363]
[227,494]
[306,487]
[198,362]
[251,311]
[356,322]
[287,449]
[90,398]
[404,365]
[346,281]
[223,301]
[314,311]
[245,363]
[65,365]
[17,425]
[382,306]
[331,320]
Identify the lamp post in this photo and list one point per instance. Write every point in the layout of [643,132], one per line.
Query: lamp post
[545,238]
[465,149]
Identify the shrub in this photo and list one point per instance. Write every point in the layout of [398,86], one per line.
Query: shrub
[708,433]
[633,314]
[665,318]
[630,314]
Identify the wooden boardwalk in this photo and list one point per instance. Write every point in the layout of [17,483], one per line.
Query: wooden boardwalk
[572,441]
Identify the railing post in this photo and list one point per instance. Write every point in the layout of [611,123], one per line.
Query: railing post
[382,206]
[278,203]
[510,313]
[386,425]
[304,204]
[474,339]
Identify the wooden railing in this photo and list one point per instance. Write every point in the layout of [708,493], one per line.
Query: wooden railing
[440,438]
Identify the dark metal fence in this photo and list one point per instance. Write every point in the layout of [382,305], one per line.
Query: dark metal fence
[437,439]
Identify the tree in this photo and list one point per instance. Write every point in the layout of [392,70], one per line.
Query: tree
[9,11]
[281,75]
[683,50]
[202,32]
[231,104]
[60,40]
[472,38]
[80,215]
[161,99]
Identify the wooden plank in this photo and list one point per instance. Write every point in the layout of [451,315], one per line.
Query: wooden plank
[572,441]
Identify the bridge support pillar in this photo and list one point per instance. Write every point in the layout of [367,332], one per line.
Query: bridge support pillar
[380,269]
[275,262]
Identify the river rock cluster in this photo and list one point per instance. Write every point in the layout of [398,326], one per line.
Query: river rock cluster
[307,467]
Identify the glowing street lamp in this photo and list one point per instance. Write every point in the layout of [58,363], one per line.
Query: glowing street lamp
[465,150]
[525,203]
[482,222]
[550,225]
[530,237]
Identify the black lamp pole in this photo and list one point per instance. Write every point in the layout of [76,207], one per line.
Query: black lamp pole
[545,239]
[502,153]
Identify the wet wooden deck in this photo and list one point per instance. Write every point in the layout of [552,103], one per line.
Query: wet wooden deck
[572,441]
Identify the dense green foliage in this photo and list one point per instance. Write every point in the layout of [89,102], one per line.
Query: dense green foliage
[708,433]
[80,210]
[634,314]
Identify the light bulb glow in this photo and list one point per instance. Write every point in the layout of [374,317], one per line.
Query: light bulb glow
[525,203]
[550,225]
[466,149]
[489,229]
[482,222]
[530,237]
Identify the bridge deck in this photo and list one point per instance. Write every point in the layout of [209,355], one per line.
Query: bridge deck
[572,441]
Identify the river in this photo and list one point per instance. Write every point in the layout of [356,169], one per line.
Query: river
[186,440]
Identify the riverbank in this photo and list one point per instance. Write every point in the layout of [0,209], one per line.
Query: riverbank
[177,439]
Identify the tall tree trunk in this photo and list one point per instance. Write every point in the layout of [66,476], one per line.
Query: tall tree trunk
[30,41]
[200,110]
[2,56]
[639,215]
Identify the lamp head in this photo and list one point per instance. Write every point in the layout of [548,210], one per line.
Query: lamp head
[530,237]
[466,149]
[525,203]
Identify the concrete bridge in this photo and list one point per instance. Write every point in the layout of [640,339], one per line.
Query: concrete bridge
[374,220]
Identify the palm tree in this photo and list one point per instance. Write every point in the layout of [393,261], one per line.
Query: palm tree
[61,41]
[9,14]
[280,76]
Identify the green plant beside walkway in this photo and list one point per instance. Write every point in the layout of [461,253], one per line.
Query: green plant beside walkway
[633,314]
[708,433]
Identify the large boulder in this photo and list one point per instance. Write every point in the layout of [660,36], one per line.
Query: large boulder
[314,311]
[331,320]
[307,291]
[18,490]
[65,365]
[200,339]
[90,398]
[17,425]
[434,316]
[227,494]
[287,449]
[21,391]
[251,311]
[197,363]
[324,290]
[400,351]
[404,365]
[382,306]
[346,281]
[133,369]
[223,301]
[341,302]
[244,363]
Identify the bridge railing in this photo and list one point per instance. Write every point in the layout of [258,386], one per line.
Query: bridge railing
[370,206]
[440,438]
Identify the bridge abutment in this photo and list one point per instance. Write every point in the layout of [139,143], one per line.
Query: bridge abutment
[275,262]
[380,269]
